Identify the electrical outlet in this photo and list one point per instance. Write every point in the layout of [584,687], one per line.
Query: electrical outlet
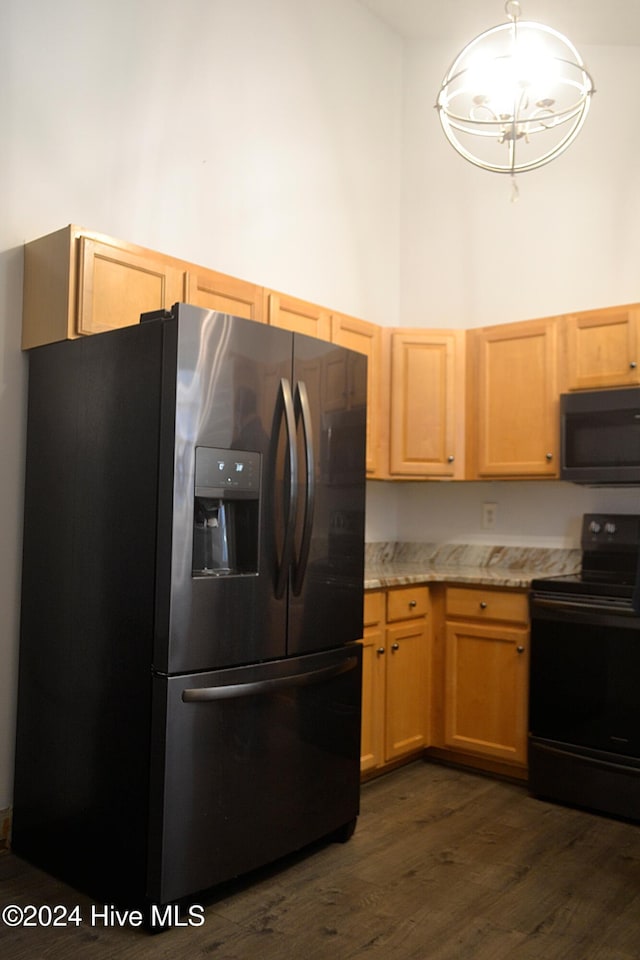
[489,515]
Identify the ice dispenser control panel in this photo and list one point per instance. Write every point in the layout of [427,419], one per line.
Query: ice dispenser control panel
[227,472]
[225,512]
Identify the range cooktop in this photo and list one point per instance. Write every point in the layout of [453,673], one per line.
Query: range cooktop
[610,559]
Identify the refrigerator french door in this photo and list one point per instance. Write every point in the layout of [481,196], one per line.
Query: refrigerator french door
[189,698]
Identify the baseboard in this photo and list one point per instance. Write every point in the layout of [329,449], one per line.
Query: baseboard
[495,768]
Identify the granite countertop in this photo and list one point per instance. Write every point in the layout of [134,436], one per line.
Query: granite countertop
[399,564]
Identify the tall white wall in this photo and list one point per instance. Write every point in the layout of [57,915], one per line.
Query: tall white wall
[260,137]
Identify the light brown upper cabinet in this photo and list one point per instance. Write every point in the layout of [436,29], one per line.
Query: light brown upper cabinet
[512,412]
[217,291]
[426,403]
[297,315]
[77,282]
[364,338]
[601,348]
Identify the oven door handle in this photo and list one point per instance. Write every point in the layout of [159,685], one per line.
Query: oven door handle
[590,611]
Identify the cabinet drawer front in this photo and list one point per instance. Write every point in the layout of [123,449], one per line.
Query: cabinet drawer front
[487,604]
[373,608]
[406,602]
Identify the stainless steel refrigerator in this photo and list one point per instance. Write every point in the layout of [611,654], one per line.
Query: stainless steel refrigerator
[189,694]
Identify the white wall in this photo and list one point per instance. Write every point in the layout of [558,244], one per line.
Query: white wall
[529,513]
[260,137]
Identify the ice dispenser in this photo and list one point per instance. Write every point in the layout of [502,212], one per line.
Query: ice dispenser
[225,512]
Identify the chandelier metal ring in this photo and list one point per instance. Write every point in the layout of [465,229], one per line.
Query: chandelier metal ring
[515,97]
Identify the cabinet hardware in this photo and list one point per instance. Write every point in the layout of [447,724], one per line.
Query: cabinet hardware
[520,649]
[413,603]
[633,365]
[395,646]
[483,604]
[450,459]
[549,457]
[380,651]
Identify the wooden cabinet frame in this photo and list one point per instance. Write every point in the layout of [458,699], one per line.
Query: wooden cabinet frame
[480,677]
[601,348]
[396,686]
[513,401]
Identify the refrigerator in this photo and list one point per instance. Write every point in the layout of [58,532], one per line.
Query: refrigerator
[189,680]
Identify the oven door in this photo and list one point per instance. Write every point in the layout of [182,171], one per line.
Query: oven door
[585,665]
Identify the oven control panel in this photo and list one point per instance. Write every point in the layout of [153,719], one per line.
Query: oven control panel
[618,531]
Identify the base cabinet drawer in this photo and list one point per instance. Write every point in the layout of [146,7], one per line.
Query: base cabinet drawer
[487,604]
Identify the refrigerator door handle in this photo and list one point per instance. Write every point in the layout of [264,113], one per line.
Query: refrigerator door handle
[232,691]
[303,412]
[288,415]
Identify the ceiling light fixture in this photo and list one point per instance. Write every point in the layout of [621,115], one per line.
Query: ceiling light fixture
[515,97]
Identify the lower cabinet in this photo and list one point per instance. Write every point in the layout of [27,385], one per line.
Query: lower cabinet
[396,698]
[486,659]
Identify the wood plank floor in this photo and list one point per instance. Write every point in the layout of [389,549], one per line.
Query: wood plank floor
[444,865]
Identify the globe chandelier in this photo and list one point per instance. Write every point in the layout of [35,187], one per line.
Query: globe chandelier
[515,97]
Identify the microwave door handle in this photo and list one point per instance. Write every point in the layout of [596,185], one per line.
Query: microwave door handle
[285,412]
[303,413]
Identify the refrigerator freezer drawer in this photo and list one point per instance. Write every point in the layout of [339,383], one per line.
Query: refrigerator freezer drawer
[258,761]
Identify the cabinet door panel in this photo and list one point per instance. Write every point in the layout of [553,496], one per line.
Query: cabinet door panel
[373,686]
[298,316]
[602,348]
[364,338]
[486,690]
[515,406]
[407,688]
[116,285]
[426,393]
[216,291]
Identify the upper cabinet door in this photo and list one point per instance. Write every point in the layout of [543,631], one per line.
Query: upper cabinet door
[77,282]
[601,348]
[116,284]
[364,338]
[217,291]
[426,403]
[297,315]
[513,406]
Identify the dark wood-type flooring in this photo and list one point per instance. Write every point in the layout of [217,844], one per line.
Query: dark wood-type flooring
[444,865]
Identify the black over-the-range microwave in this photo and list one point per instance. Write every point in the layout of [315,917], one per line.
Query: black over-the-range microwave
[600,436]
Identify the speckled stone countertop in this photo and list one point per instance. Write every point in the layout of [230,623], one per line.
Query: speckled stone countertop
[398,564]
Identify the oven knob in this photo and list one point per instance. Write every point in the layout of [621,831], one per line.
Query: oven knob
[610,528]
[595,527]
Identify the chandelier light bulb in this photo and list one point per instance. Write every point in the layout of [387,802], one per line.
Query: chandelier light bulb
[515,97]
